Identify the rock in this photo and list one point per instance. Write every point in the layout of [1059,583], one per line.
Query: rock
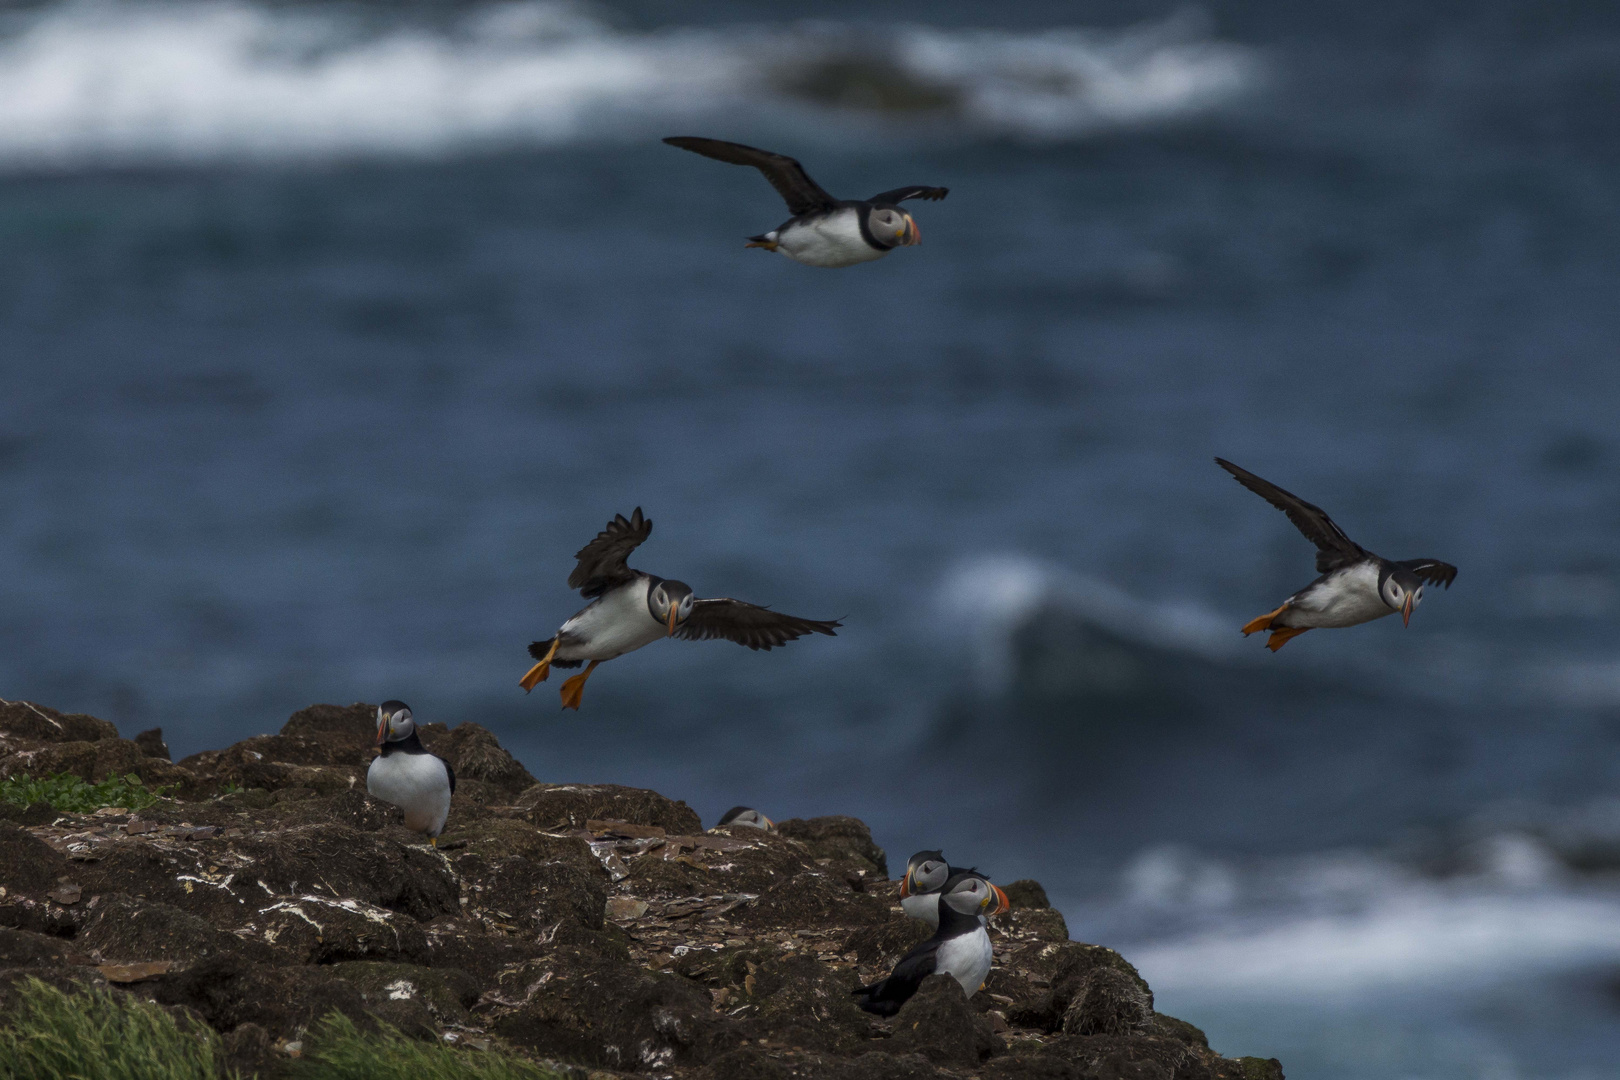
[151,744]
[23,720]
[1027,893]
[22,949]
[589,924]
[124,927]
[26,864]
[475,754]
[602,1013]
[939,1024]
[1108,1002]
[227,991]
[838,838]
[570,806]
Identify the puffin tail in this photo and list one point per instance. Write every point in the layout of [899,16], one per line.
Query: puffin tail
[1263,622]
[868,999]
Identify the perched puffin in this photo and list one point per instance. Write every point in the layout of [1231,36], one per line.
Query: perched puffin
[1356,586]
[629,609]
[960,947]
[926,875]
[746,817]
[823,231]
[405,774]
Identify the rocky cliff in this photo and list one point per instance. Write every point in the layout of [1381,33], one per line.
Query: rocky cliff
[598,927]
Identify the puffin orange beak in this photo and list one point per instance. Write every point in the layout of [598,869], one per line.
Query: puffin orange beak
[913,234]
[1406,611]
[1003,904]
[905,885]
[673,611]
[382,730]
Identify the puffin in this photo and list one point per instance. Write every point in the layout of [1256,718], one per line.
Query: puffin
[1356,586]
[927,873]
[745,817]
[405,774]
[960,947]
[629,609]
[823,231]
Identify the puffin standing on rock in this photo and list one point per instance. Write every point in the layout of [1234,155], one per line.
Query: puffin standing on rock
[1356,586]
[960,947]
[823,231]
[405,774]
[927,874]
[629,609]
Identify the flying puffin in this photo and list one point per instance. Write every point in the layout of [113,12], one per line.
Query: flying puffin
[405,774]
[1356,586]
[629,609]
[823,231]
[960,947]
[745,817]
[927,873]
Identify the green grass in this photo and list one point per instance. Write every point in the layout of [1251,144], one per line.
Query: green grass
[99,1035]
[74,795]
[336,1050]
[107,1035]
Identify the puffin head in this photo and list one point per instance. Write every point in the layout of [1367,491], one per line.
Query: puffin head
[747,817]
[670,602]
[892,226]
[394,722]
[926,872]
[1402,590]
[972,894]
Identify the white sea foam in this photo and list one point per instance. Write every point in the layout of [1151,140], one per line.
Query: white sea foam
[109,82]
[1422,938]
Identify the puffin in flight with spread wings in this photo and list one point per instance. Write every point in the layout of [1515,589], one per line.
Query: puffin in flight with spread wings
[823,231]
[629,609]
[1356,586]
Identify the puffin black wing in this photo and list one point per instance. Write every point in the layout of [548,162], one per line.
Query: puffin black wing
[1433,571]
[748,624]
[916,191]
[1333,548]
[885,996]
[787,176]
[601,562]
[450,774]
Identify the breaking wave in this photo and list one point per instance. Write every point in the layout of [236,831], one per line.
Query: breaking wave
[114,83]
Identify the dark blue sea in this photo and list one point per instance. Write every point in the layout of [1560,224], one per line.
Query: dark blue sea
[328,333]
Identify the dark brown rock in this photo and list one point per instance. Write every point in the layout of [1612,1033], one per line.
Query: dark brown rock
[24,721]
[939,1024]
[122,927]
[249,1051]
[23,949]
[28,865]
[838,838]
[96,761]
[813,901]
[476,755]
[151,744]
[603,1013]
[1026,893]
[1108,1002]
[227,991]
[804,1003]
[570,806]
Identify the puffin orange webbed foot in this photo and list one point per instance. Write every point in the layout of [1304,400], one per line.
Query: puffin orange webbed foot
[574,689]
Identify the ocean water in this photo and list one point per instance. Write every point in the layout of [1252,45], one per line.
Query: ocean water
[329,332]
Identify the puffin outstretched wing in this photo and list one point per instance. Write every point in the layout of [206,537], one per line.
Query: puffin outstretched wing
[1333,548]
[1433,571]
[602,561]
[787,176]
[748,624]
[916,191]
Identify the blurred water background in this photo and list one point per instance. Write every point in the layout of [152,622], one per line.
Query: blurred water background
[330,331]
